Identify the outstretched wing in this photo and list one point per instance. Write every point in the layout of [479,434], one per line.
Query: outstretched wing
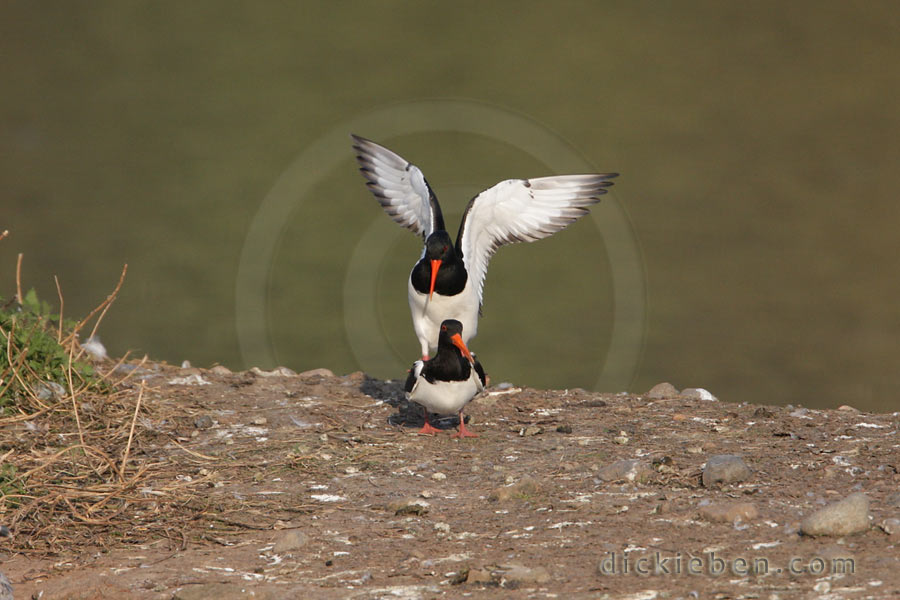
[523,210]
[399,186]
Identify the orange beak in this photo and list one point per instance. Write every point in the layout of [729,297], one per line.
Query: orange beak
[435,267]
[459,343]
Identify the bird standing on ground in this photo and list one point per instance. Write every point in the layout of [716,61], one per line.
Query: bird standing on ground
[447,382]
[447,282]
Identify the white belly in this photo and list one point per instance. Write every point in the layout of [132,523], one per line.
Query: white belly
[445,397]
[427,316]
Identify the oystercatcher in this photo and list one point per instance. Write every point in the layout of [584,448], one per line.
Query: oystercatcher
[447,382]
[448,280]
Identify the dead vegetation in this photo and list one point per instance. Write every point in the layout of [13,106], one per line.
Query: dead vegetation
[71,465]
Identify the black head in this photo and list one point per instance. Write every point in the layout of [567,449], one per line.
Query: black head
[450,339]
[439,246]
[450,327]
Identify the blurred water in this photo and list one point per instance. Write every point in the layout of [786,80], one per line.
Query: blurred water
[757,145]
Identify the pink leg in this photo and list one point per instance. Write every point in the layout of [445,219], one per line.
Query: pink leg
[428,428]
[463,432]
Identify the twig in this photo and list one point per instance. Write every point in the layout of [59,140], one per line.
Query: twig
[19,279]
[137,407]
[103,306]
[72,391]
[109,300]
[191,452]
[4,234]
[59,293]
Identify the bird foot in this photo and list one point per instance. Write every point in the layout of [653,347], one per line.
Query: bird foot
[463,432]
[428,429]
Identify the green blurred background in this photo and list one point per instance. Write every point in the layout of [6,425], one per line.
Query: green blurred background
[758,143]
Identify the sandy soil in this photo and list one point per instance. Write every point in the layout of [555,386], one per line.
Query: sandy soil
[317,486]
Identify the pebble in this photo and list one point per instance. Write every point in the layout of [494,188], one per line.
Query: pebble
[410,506]
[49,390]
[732,512]
[317,373]
[442,527]
[662,390]
[891,526]
[6,588]
[259,421]
[564,428]
[621,439]
[509,575]
[95,348]
[763,413]
[850,515]
[192,379]
[290,539]
[522,489]
[220,370]
[699,394]
[515,573]
[630,470]
[725,468]
[276,372]
[203,422]
[530,431]
[848,408]
[438,476]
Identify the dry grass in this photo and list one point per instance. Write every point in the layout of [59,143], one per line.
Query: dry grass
[73,467]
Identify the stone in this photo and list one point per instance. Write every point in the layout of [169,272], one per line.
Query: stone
[621,439]
[6,588]
[322,372]
[891,526]
[629,470]
[288,540]
[662,390]
[220,370]
[276,372]
[848,408]
[515,574]
[410,506]
[725,468]
[732,512]
[203,422]
[698,394]
[844,517]
[522,489]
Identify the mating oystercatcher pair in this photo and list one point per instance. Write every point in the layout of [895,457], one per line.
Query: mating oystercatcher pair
[446,285]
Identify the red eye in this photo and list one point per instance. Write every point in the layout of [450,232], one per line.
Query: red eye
[445,249]
[443,328]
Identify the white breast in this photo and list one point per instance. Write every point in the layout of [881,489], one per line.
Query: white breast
[427,315]
[445,397]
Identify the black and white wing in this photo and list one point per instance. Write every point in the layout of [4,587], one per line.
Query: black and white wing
[399,186]
[412,380]
[523,210]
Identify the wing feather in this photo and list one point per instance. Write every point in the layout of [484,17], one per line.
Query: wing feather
[399,186]
[523,210]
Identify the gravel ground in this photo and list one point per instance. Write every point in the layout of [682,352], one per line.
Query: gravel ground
[318,486]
